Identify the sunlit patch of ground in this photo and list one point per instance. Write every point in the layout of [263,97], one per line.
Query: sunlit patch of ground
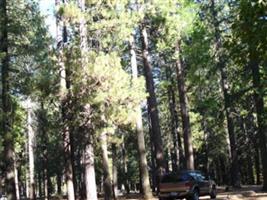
[250,195]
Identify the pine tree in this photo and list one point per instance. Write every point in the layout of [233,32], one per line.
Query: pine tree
[31,149]
[180,68]
[235,173]
[152,105]
[140,132]
[65,96]
[7,104]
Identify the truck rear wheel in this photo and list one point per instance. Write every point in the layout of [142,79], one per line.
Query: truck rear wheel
[194,196]
[213,193]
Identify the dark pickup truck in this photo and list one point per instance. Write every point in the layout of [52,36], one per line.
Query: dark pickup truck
[187,184]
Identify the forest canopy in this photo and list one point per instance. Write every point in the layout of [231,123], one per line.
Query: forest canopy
[125,91]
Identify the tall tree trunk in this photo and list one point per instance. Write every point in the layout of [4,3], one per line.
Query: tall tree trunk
[206,147]
[8,142]
[39,174]
[172,109]
[249,166]
[167,166]
[83,35]
[90,182]
[45,183]
[125,169]
[140,133]
[65,105]
[89,168]
[27,188]
[114,171]
[177,151]
[261,114]
[72,146]
[81,173]
[1,181]
[152,105]
[31,136]
[152,158]
[67,154]
[257,166]
[235,171]
[46,194]
[106,171]
[225,176]
[44,133]
[188,147]
[59,191]
[16,178]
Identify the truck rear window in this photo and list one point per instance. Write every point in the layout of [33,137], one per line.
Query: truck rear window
[171,178]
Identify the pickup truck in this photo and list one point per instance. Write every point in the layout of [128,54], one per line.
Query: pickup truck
[189,184]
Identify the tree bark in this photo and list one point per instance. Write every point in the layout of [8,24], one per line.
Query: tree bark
[46,193]
[188,147]
[249,164]
[224,172]
[59,191]
[90,182]
[1,181]
[260,112]
[142,157]
[114,171]
[235,169]
[40,181]
[167,166]
[257,166]
[68,164]
[43,120]
[72,147]
[83,35]
[27,174]
[31,136]
[140,133]
[65,104]
[8,142]
[125,169]
[16,178]
[177,151]
[153,164]
[81,173]
[152,106]
[106,171]
[206,147]
[89,168]
[172,109]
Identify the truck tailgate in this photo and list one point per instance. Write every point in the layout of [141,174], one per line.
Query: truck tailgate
[173,187]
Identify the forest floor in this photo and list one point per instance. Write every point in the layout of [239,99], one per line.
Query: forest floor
[245,193]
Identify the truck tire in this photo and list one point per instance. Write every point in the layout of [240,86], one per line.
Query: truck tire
[194,196]
[213,193]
